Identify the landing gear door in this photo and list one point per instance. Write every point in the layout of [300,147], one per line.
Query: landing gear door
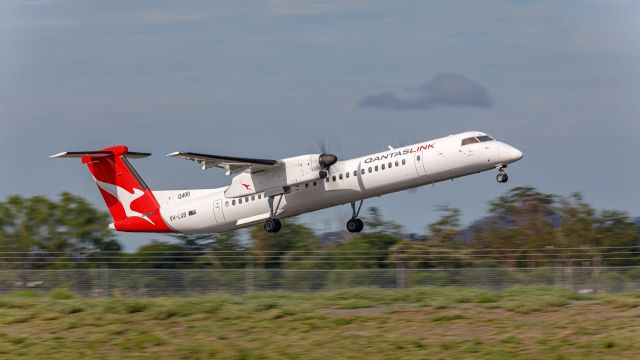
[419,161]
[217,212]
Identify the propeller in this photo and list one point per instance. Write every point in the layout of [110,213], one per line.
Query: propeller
[325,160]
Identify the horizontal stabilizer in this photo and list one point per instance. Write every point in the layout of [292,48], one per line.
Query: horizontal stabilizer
[97,154]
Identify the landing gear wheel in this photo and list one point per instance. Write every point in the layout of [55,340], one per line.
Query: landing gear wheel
[272,225]
[355,225]
[502,177]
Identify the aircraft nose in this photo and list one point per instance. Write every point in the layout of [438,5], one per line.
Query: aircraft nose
[513,154]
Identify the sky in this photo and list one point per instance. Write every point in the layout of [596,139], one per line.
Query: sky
[272,79]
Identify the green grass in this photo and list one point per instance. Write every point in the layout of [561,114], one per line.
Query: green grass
[430,322]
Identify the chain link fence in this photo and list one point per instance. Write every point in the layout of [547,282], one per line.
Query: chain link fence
[157,282]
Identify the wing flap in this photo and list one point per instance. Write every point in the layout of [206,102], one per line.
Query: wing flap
[231,164]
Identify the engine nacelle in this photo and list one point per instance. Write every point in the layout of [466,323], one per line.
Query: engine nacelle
[295,170]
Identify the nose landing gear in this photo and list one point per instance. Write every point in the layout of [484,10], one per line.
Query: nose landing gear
[502,176]
[355,225]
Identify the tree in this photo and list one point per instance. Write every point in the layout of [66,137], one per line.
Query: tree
[590,232]
[194,242]
[577,232]
[268,249]
[374,222]
[520,221]
[616,230]
[365,250]
[226,250]
[369,249]
[444,231]
[162,255]
[220,250]
[70,227]
[438,248]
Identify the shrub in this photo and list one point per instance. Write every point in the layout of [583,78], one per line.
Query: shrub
[430,278]
[61,294]
[24,294]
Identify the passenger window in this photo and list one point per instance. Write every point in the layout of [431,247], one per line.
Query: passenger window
[390,163]
[259,196]
[315,183]
[370,169]
[253,198]
[239,201]
[397,163]
[404,161]
[246,199]
[376,168]
[233,202]
[468,141]
[382,166]
[327,179]
[355,172]
[334,178]
[362,171]
[347,174]
[340,176]
[418,157]
[306,185]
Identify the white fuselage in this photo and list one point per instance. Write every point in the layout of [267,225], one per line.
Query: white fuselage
[213,210]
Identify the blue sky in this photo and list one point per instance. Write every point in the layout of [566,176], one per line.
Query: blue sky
[271,78]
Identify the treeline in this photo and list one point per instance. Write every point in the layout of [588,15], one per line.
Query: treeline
[524,228]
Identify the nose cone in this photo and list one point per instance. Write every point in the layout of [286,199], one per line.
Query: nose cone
[511,154]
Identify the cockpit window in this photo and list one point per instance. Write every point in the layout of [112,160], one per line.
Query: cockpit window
[484,138]
[468,141]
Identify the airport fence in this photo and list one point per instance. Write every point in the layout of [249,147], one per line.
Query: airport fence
[103,282]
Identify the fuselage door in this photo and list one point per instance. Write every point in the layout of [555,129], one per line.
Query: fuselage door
[419,161]
[435,165]
[217,212]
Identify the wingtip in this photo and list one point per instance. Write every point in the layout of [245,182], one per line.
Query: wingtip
[58,155]
[175,153]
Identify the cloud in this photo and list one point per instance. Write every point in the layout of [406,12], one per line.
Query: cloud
[445,89]
[312,7]
[172,15]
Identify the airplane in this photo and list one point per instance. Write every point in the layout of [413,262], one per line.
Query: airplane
[266,191]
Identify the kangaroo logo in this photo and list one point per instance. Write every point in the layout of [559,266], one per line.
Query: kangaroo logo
[246,186]
[125,198]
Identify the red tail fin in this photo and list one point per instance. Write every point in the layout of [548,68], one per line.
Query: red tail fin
[130,201]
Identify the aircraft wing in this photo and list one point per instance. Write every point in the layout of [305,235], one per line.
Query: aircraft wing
[231,164]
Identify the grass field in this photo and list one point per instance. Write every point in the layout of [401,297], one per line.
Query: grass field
[434,323]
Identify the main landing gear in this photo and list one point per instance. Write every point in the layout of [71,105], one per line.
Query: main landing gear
[355,225]
[502,176]
[273,225]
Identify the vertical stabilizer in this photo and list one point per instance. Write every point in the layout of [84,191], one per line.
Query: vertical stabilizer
[129,199]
